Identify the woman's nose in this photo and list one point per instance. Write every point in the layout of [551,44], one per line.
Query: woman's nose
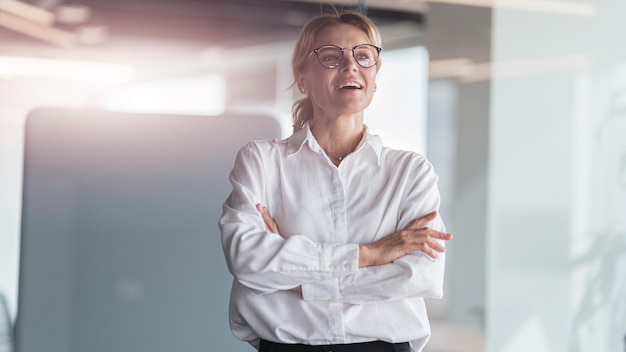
[349,62]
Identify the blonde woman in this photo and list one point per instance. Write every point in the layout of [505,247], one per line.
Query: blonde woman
[333,239]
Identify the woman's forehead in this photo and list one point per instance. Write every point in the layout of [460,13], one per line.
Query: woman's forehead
[342,35]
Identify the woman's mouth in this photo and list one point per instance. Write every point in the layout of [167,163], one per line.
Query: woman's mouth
[349,85]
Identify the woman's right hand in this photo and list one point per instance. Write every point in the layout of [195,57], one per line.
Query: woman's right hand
[272,226]
[270,223]
[414,237]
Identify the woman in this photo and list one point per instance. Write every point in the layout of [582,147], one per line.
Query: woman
[334,240]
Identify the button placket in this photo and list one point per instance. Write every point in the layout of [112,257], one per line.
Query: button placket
[338,205]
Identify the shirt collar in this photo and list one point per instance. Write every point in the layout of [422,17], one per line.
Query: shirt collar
[371,144]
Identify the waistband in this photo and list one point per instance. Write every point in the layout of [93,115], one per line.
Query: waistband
[373,346]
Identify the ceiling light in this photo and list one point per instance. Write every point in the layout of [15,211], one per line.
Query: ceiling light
[84,71]
[467,71]
[545,6]
[28,12]
[33,29]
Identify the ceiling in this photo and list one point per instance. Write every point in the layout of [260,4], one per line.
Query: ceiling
[222,23]
[165,39]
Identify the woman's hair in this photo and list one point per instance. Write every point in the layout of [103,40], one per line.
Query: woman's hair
[302,109]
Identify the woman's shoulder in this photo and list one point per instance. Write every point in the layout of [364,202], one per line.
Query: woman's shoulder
[405,161]
[394,156]
[408,163]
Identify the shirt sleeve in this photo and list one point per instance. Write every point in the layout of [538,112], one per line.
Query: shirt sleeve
[414,275]
[265,261]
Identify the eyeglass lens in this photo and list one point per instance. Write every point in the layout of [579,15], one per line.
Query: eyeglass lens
[330,56]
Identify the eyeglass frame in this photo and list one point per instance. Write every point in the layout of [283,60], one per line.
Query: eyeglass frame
[316,51]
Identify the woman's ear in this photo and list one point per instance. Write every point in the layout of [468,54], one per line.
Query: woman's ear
[302,86]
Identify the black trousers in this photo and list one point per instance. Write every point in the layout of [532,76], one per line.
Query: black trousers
[374,346]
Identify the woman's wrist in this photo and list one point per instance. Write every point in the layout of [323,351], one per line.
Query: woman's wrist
[364,255]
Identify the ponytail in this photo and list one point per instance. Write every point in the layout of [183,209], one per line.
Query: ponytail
[302,111]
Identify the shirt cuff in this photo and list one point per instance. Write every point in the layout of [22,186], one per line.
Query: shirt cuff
[326,290]
[341,260]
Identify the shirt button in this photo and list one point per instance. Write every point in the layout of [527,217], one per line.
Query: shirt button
[346,266]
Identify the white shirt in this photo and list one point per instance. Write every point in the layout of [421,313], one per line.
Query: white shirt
[324,212]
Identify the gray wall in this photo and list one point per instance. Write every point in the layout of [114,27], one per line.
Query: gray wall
[557,198]
[120,248]
[458,147]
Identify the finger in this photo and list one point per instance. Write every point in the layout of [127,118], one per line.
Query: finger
[422,221]
[432,248]
[263,211]
[419,233]
[426,218]
[440,235]
[430,252]
[427,241]
[270,224]
[436,245]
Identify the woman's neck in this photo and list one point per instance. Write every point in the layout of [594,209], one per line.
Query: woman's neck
[338,136]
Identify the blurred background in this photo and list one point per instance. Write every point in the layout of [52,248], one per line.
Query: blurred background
[519,104]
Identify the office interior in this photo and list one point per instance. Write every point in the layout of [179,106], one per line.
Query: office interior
[519,104]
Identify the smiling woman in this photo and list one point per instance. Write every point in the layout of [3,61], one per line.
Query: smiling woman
[311,44]
[333,239]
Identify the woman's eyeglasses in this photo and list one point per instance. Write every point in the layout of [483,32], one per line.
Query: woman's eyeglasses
[330,56]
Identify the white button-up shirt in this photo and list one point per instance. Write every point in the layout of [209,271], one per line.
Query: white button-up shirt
[324,212]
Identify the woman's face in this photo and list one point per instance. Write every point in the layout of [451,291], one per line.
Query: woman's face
[345,90]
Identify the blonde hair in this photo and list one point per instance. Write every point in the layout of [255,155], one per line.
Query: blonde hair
[302,109]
